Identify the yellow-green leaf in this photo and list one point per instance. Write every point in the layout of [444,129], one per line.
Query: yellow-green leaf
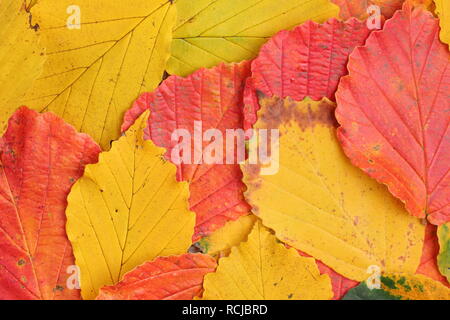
[21,56]
[264,269]
[322,205]
[414,287]
[443,11]
[443,258]
[94,73]
[211,31]
[125,210]
[230,235]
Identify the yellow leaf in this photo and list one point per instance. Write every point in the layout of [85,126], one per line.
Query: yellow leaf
[264,269]
[94,73]
[125,210]
[414,287]
[322,205]
[443,259]
[21,56]
[211,31]
[443,11]
[232,234]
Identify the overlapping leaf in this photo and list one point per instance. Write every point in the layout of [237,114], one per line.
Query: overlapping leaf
[127,209]
[393,110]
[443,258]
[443,11]
[208,32]
[213,97]
[21,56]
[322,205]
[428,262]
[41,157]
[166,278]
[263,269]
[307,61]
[401,287]
[94,73]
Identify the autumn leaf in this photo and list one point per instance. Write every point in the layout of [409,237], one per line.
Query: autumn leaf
[125,210]
[443,11]
[41,157]
[319,203]
[307,61]
[428,262]
[165,278]
[220,242]
[21,54]
[213,99]
[393,111]
[264,269]
[401,287]
[444,250]
[93,73]
[208,32]
[359,8]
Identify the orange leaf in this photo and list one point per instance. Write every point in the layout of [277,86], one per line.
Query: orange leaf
[214,97]
[41,157]
[166,278]
[393,111]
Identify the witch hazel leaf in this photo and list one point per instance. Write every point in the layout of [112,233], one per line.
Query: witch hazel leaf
[207,99]
[401,286]
[21,54]
[443,258]
[359,8]
[127,209]
[262,268]
[307,61]
[443,11]
[429,261]
[319,203]
[101,56]
[208,32]
[41,157]
[339,283]
[393,111]
[165,278]
[220,242]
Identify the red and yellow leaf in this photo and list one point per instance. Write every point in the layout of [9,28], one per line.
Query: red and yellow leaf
[41,157]
[307,61]
[214,97]
[393,111]
[166,278]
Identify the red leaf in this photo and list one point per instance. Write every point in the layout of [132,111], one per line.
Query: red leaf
[41,157]
[339,283]
[167,278]
[428,262]
[306,61]
[393,110]
[213,96]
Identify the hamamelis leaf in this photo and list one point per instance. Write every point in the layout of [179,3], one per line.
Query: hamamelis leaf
[165,278]
[319,203]
[21,55]
[393,111]
[443,11]
[41,157]
[101,56]
[208,32]
[207,99]
[264,269]
[401,286]
[443,258]
[127,209]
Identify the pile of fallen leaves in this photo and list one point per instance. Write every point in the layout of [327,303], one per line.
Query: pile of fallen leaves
[93,207]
